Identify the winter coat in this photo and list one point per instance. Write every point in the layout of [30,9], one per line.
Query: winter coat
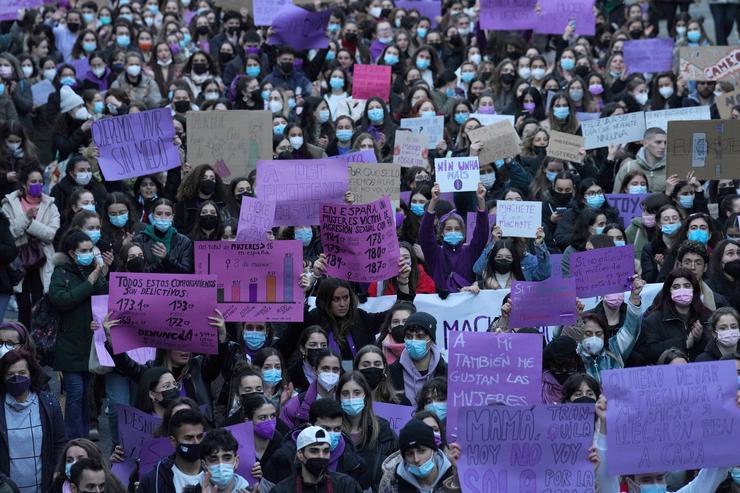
[665,330]
[145,92]
[386,444]
[656,175]
[179,258]
[8,253]
[341,483]
[400,480]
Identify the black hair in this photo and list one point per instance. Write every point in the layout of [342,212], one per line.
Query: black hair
[81,466]
[218,439]
[324,408]
[185,417]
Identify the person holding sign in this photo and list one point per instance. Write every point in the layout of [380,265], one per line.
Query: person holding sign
[651,158]
[165,250]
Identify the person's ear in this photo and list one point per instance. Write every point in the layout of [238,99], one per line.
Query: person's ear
[236,462]
[153,395]
[173,441]
[73,488]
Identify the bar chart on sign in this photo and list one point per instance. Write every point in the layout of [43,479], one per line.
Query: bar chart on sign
[257,282]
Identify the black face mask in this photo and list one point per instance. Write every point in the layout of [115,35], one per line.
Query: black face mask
[169,396]
[540,151]
[373,376]
[238,197]
[636,33]
[724,191]
[581,71]
[189,452]
[136,264]
[225,57]
[397,333]
[73,27]
[311,355]
[286,67]
[232,30]
[584,400]
[502,266]
[455,40]
[209,221]
[561,376]
[436,46]
[316,465]
[202,30]
[350,37]
[207,187]
[181,106]
[732,269]
[507,78]
[484,76]
[200,68]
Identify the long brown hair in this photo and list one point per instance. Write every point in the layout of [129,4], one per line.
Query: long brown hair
[339,327]
[369,426]
[385,391]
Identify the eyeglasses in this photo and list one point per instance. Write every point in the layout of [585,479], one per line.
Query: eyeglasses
[10,345]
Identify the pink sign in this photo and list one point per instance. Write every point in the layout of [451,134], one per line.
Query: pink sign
[556,14]
[255,219]
[371,80]
[360,241]
[257,282]
[168,311]
[141,355]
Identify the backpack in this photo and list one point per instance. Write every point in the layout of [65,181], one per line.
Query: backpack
[44,327]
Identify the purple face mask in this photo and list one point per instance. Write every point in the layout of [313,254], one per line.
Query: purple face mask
[252,50]
[35,189]
[265,429]
[529,107]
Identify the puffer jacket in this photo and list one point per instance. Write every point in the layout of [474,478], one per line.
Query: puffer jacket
[398,480]
[179,258]
[656,175]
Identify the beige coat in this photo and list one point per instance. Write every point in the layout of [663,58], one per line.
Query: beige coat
[44,227]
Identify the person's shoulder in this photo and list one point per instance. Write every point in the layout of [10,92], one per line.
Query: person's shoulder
[341,479]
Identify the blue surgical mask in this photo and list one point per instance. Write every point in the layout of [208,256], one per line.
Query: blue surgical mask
[118,221]
[265,95]
[595,201]
[686,201]
[89,47]
[303,234]
[221,474]
[390,59]
[272,376]
[94,235]
[335,437]
[67,81]
[599,230]
[104,21]
[422,63]
[123,40]
[619,243]
[428,114]
[68,470]
[561,112]
[353,406]
[467,76]
[637,189]
[421,31]
[98,107]
[453,238]
[698,235]
[333,27]
[375,115]
[84,259]
[336,82]
[576,95]
[417,209]
[499,163]
[88,207]
[450,92]
[669,229]
[567,63]
[421,471]
[291,103]
[324,116]
[254,339]
[438,408]
[2,89]
[551,175]
[693,36]
[735,473]
[254,71]
[461,118]
[416,349]
[653,488]
[162,225]
[279,129]
[344,135]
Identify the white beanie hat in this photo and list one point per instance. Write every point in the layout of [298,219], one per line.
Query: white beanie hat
[68,99]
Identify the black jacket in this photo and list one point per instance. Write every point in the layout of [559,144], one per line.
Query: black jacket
[341,483]
[387,444]
[8,252]
[179,259]
[662,330]
[160,479]
[564,230]
[712,353]
[52,443]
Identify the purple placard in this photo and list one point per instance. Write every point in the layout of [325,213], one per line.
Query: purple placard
[396,414]
[470,224]
[648,55]
[9,8]
[556,14]
[136,144]
[431,9]
[672,417]
[448,196]
[603,270]
[298,187]
[81,66]
[628,205]
[486,369]
[141,355]
[527,449]
[299,28]
[548,302]
[364,156]
[257,282]
[168,311]
[134,428]
[584,117]
[360,241]
[255,219]
[508,15]
[556,268]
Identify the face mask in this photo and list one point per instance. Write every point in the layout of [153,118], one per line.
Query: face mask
[344,135]
[212,96]
[595,201]
[50,73]
[524,72]
[354,406]
[682,296]
[438,439]
[499,163]
[680,30]
[333,27]
[596,89]
[636,33]
[81,114]
[323,116]
[648,220]
[666,91]
[732,269]
[316,465]
[373,376]
[279,129]
[35,189]
[68,469]
[162,225]
[686,201]
[561,112]
[467,76]
[73,27]
[502,266]
[438,408]
[693,36]
[453,238]
[488,179]
[169,396]
[89,47]
[422,471]
[272,376]
[123,40]
[736,474]
[551,176]
[265,429]
[428,114]
[84,259]
[728,338]
[421,32]
[653,488]
[136,264]
[615,74]
[613,300]
[417,209]
[334,436]
[375,115]
[416,349]
[390,59]
[641,98]
[17,385]
[296,142]
[576,95]
[221,474]
[635,189]
[83,178]
[104,21]
[599,230]
[328,380]
[67,81]
[276,106]
[529,107]
[291,103]
[253,71]
[698,235]
[567,64]
[88,207]
[376,11]
[254,339]
[669,229]
[422,63]
[207,187]
[181,106]
[619,243]
[303,234]
[386,41]
[538,73]
[584,400]
[336,83]
[93,234]
[189,452]
[593,345]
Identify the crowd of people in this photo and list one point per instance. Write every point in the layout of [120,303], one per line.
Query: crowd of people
[308,388]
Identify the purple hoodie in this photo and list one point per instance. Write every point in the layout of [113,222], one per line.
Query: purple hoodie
[294,412]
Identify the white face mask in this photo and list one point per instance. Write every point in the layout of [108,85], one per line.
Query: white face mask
[328,380]
[593,345]
[27,71]
[296,142]
[538,73]
[641,98]
[276,106]
[133,70]
[99,71]
[666,91]
[83,178]
[50,73]
[81,114]
[524,72]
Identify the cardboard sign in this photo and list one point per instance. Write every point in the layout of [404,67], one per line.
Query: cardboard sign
[724,103]
[457,174]
[498,141]
[486,119]
[232,140]
[672,417]
[619,129]
[628,205]
[299,28]
[650,55]
[269,272]
[506,15]
[360,241]
[255,219]
[603,270]
[371,80]
[432,126]
[527,449]
[299,186]
[556,14]
[486,369]
[548,302]
[136,144]
[167,311]
[265,11]
[519,218]
[410,149]
[370,182]
[565,146]
[711,149]
[661,118]
[709,63]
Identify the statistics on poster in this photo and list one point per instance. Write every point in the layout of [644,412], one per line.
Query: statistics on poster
[257,282]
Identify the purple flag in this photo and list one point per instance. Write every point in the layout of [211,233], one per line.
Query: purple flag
[527,449]
[628,205]
[603,270]
[299,28]
[257,282]
[487,369]
[672,417]
[548,302]
[556,14]
[648,55]
[508,14]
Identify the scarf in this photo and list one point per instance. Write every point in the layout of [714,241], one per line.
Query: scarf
[167,239]
[391,349]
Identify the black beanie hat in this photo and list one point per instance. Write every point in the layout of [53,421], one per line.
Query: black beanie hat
[424,321]
[416,433]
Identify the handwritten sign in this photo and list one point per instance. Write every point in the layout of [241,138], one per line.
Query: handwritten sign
[168,311]
[136,144]
[432,126]
[498,141]
[486,119]
[672,417]
[548,302]
[299,28]
[725,103]
[360,241]
[628,205]
[99,309]
[539,448]
[709,63]
[565,146]
[255,219]
[410,149]
[396,414]
[556,14]
[134,428]
[41,91]
[265,11]
[603,270]
[619,129]
[298,187]
[648,55]
[519,218]
[661,118]
[268,271]
[487,369]
[371,80]
[370,182]
[504,15]
[711,149]
[232,140]
[457,174]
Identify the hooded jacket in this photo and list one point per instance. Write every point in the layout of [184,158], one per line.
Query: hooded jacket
[406,377]
[656,175]
[400,480]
